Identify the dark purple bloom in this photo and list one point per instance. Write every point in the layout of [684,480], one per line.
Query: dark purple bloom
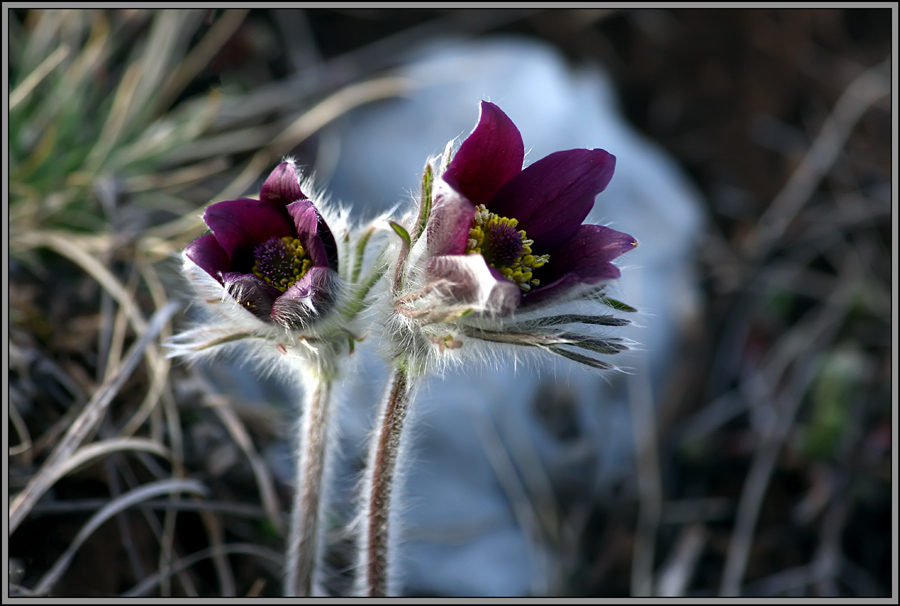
[526,224]
[275,256]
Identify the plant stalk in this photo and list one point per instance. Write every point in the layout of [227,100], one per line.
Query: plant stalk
[384,464]
[304,536]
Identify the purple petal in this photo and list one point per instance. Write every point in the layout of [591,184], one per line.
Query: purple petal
[314,234]
[307,220]
[282,187]
[584,259]
[488,158]
[592,245]
[450,221]
[252,293]
[552,290]
[308,297]
[208,255]
[587,255]
[239,225]
[553,196]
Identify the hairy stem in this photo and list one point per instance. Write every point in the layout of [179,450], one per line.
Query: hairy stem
[384,464]
[304,536]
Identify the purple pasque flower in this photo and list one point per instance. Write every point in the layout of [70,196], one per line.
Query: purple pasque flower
[523,225]
[276,256]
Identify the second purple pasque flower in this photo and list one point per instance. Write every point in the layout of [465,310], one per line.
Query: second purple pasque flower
[522,227]
[275,256]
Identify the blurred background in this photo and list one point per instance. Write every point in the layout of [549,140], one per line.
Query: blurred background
[748,449]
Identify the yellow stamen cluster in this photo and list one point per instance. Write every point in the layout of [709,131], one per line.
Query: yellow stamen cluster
[519,267]
[282,268]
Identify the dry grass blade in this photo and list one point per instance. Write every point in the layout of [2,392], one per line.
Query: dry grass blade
[676,572]
[115,330]
[91,54]
[18,423]
[159,366]
[260,470]
[238,186]
[201,55]
[64,245]
[785,581]
[174,178]
[158,376]
[167,542]
[859,96]
[649,484]
[142,493]
[536,479]
[86,421]
[217,507]
[816,333]
[116,119]
[358,63]
[168,30]
[524,510]
[292,134]
[170,132]
[86,454]
[219,550]
[59,243]
[44,34]
[216,534]
[34,78]
[337,105]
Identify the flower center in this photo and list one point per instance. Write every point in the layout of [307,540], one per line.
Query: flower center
[504,247]
[281,262]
